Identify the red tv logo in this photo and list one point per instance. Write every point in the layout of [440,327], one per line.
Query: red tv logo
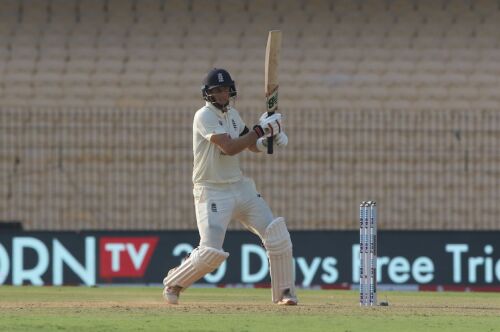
[125,256]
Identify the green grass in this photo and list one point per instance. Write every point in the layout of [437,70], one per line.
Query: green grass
[142,309]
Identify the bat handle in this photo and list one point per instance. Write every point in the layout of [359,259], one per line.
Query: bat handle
[269,145]
[270,139]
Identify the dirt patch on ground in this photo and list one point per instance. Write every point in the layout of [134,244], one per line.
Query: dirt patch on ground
[238,308]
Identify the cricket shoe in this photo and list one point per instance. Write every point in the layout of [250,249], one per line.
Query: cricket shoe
[288,298]
[172,293]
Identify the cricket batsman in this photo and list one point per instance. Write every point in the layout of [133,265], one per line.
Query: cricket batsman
[221,192]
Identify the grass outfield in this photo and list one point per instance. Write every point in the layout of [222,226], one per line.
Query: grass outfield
[202,309]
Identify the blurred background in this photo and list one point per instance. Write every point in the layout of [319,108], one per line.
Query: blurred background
[396,101]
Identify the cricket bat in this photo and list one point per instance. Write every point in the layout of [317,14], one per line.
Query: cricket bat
[273,50]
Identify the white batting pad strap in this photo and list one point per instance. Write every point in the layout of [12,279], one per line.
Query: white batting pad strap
[279,249]
[202,260]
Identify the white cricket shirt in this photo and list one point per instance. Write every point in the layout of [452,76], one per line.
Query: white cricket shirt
[210,164]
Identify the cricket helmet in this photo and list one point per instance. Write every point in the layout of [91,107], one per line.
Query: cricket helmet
[215,78]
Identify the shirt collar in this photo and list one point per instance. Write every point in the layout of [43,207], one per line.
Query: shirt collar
[216,110]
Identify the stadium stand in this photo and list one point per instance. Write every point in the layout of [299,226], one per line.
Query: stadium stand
[356,39]
[88,89]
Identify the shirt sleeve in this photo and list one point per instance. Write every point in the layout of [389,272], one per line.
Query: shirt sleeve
[246,130]
[240,123]
[208,124]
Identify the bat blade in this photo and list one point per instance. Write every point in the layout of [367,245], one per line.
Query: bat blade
[273,50]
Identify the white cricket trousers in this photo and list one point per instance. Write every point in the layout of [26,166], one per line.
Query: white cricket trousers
[217,204]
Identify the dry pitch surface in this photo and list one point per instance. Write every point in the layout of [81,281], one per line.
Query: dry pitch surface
[142,309]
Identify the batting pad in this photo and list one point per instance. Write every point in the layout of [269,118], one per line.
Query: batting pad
[279,250]
[202,260]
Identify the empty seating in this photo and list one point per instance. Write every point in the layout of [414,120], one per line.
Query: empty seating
[34,11]
[399,57]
